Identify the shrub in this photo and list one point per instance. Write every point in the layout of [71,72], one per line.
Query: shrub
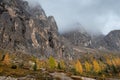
[1,70]
[62,63]
[35,67]
[3,57]
[59,66]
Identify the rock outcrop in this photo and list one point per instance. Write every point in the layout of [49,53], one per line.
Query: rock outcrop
[110,42]
[28,29]
[78,38]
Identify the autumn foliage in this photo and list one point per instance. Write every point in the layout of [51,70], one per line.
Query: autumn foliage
[40,63]
[6,59]
[78,67]
[93,66]
[52,62]
[96,66]
[88,66]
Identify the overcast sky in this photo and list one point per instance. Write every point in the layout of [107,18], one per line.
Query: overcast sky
[94,15]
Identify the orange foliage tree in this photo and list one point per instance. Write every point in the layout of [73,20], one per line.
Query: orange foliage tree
[6,59]
[40,63]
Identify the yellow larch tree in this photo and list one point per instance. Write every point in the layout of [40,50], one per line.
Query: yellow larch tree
[61,64]
[109,62]
[88,66]
[116,62]
[102,65]
[52,62]
[78,67]
[96,66]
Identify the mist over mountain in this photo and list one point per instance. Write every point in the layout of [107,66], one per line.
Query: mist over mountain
[97,16]
[38,33]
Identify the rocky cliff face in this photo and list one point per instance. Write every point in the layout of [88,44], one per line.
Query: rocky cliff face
[28,29]
[110,41]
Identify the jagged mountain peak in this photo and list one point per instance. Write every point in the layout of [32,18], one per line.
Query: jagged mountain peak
[109,42]
[78,37]
[113,40]
[114,32]
[27,29]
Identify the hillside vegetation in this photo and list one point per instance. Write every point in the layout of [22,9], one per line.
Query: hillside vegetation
[105,66]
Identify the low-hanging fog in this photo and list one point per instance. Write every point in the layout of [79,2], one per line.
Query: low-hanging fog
[96,16]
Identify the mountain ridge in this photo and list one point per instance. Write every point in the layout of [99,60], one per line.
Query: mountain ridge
[29,30]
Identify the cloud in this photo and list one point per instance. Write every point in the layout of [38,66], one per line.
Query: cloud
[94,15]
[112,22]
